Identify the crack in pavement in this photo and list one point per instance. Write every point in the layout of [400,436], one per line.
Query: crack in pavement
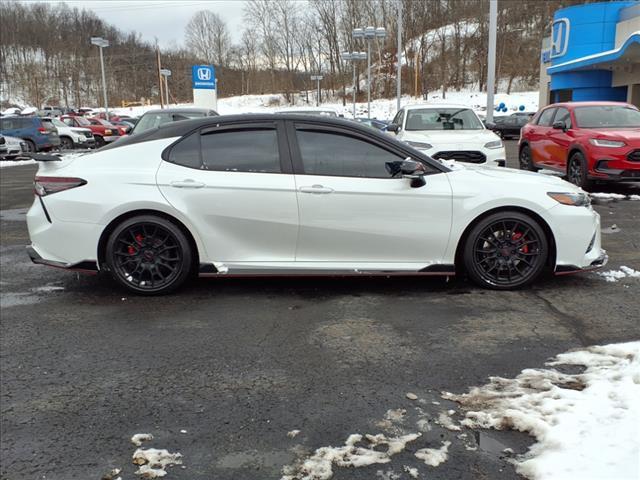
[572,323]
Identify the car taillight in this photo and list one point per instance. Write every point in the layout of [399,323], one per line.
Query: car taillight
[43,130]
[44,186]
[108,132]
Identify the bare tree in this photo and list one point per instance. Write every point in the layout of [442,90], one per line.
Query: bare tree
[207,37]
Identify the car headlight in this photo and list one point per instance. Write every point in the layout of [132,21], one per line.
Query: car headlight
[574,199]
[494,144]
[600,142]
[422,145]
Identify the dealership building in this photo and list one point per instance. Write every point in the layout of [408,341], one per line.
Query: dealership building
[593,53]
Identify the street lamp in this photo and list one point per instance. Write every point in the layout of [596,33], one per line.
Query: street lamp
[317,78]
[102,43]
[353,57]
[369,33]
[165,72]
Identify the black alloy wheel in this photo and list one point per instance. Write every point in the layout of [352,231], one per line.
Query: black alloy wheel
[577,171]
[149,255]
[31,146]
[99,141]
[66,143]
[506,250]
[525,160]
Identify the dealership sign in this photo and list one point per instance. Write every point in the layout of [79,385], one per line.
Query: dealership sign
[559,37]
[203,77]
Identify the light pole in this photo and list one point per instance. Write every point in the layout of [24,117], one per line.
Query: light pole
[165,72]
[491,60]
[102,43]
[369,33]
[399,71]
[353,57]
[317,78]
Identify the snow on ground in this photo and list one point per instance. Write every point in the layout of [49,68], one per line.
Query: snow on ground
[15,163]
[587,425]
[384,109]
[612,197]
[138,438]
[153,462]
[356,452]
[434,456]
[623,272]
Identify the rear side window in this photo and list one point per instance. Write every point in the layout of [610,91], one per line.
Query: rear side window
[6,124]
[545,117]
[246,150]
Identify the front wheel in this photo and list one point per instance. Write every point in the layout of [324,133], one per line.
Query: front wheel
[577,171]
[149,255]
[99,141]
[506,250]
[66,143]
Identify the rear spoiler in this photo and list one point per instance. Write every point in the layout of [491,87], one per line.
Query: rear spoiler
[44,157]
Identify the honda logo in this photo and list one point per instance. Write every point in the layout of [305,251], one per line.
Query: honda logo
[559,37]
[204,74]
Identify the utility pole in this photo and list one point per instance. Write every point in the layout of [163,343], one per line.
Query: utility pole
[399,73]
[491,61]
[160,89]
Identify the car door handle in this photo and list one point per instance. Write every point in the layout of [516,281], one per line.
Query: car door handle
[187,184]
[316,189]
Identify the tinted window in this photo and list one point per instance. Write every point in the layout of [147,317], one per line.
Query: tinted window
[398,118]
[563,115]
[339,155]
[442,119]
[607,116]
[187,152]
[6,124]
[254,150]
[545,117]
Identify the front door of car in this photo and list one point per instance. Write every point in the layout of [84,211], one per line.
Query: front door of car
[353,212]
[560,139]
[235,185]
[540,140]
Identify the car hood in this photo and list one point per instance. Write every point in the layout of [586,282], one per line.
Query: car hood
[81,130]
[510,176]
[13,140]
[451,137]
[628,135]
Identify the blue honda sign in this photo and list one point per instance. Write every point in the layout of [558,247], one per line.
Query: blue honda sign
[203,77]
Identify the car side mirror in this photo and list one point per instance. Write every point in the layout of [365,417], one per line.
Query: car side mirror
[414,171]
[560,125]
[393,127]
[490,125]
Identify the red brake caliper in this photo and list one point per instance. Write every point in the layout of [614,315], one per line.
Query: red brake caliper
[518,236]
[131,249]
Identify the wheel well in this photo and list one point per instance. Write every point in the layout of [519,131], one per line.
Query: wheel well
[102,243]
[551,259]
[573,151]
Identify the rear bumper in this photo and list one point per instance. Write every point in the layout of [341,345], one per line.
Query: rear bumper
[88,266]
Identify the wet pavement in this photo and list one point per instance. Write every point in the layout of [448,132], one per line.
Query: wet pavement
[236,364]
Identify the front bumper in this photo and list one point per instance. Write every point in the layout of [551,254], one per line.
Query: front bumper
[110,138]
[87,143]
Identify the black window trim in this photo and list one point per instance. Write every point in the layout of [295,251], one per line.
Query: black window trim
[553,115]
[286,167]
[433,166]
[553,120]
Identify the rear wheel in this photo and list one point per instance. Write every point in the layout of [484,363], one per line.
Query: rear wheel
[149,255]
[525,159]
[577,171]
[505,250]
[31,146]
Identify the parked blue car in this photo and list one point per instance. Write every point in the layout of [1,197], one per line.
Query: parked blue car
[36,133]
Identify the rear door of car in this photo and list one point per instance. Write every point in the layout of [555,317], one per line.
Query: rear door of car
[235,185]
[539,139]
[354,213]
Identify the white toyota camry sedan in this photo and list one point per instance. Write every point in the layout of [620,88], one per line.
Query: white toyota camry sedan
[293,194]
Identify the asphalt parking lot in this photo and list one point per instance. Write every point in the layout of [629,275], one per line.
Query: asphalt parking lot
[222,370]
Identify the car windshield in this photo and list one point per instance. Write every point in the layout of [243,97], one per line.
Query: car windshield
[442,119]
[58,123]
[607,116]
[152,120]
[82,121]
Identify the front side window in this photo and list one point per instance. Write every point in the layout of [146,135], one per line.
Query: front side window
[563,115]
[607,116]
[545,117]
[442,119]
[398,118]
[338,155]
[246,150]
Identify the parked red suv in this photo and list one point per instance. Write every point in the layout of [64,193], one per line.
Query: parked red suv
[102,132]
[587,141]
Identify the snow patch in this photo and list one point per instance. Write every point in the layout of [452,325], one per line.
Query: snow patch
[153,462]
[319,466]
[586,424]
[434,456]
[615,275]
[293,433]
[412,472]
[445,420]
[15,163]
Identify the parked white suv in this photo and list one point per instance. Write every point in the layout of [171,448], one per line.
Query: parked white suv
[73,137]
[450,132]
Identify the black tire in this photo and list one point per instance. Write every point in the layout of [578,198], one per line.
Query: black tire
[577,171]
[505,251]
[149,255]
[31,146]
[99,141]
[66,143]
[525,160]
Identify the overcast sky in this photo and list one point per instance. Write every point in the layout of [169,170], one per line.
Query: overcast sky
[164,19]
